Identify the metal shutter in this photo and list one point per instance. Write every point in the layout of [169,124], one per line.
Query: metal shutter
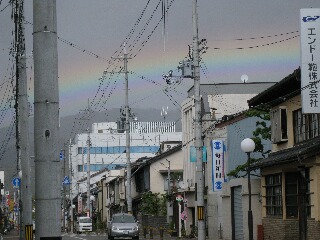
[237,215]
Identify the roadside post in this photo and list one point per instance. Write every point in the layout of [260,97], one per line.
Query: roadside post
[179,199]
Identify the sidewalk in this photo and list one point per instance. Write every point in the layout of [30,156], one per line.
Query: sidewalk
[12,235]
[165,237]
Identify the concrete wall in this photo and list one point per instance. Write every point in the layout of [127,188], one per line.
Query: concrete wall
[213,215]
[157,180]
[226,207]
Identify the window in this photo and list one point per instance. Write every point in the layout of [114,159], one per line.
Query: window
[80,168]
[305,126]
[292,194]
[279,127]
[297,185]
[79,150]
[273,195]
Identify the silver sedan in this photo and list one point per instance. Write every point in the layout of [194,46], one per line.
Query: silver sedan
[123,225]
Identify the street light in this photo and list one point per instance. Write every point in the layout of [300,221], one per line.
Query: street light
[247,146]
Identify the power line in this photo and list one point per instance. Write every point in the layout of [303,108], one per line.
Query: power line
[255,38]
[258,46]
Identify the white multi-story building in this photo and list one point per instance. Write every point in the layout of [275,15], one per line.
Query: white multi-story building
[108,148]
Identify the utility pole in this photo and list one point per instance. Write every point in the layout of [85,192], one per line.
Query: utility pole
[127,128]
[88,172]
[46,120]
[169,208]
[23,116]
[190,69]
[64,192]
[198,127]
[70,186]
[129,198]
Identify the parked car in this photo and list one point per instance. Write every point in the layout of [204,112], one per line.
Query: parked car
[123,225]
[84,224]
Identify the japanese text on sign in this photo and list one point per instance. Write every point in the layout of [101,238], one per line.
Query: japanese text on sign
[310,59]
[217,164]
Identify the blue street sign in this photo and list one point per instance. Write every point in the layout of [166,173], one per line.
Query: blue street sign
[61,155]
[16,182]
[66,181]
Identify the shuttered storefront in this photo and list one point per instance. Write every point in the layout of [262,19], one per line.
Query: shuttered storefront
[237,215]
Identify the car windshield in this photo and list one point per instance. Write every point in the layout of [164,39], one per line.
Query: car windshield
[123,219]
[85,220]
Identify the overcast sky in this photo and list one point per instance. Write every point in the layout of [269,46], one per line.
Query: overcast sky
[92,31]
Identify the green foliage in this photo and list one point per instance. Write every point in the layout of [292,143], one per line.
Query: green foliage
[175,178]
[154,204]
[262,132]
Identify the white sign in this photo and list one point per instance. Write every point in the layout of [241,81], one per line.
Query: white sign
[310,59]
[217,164]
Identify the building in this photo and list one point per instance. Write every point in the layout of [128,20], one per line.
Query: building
[107,149]
[219,101]
[290,174]
[149,174]
[229,206]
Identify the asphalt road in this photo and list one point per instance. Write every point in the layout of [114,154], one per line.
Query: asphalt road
[14,235]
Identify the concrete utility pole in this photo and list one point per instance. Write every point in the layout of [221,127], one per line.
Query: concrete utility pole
[198,127]
[23,116]
[64,191]
[46,120]
[127,128]
[129,198]
[88,172]
[70,186]
[169,206]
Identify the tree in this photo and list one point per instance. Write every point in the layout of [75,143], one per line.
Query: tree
[262,132]
[153,203]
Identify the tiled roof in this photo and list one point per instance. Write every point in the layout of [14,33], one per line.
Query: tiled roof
[298,153]
[288,87]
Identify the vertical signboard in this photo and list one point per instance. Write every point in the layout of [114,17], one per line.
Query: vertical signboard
[310,59]
[79,204]
[217,164]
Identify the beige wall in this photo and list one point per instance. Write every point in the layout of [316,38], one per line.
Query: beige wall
[314,186]
[292,104]
[187,141]
[222,101]
[156,178]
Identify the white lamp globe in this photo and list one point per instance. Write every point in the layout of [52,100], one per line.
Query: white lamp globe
[247,145]
[92,198]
